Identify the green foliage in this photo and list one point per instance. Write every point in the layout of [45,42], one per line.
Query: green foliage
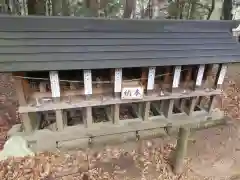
[173,9]
[188,9]
[113,8]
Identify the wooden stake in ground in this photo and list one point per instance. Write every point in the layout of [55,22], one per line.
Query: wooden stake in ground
[181,150]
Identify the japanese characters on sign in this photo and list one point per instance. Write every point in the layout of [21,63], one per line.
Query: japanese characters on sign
[132,93]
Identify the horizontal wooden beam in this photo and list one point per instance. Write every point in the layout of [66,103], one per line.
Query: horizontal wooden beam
[99,101]
[79,132]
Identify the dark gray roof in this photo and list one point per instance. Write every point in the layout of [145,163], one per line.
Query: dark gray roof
[61,43]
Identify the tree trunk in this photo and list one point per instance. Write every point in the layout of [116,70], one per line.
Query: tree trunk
[65,8]
[193,9]
[54,7]
[227,9]
[129,7]
[142,9]
[155,6]
[181,7]
[31,7]
[36,7]
[212,9]
[93,6]
[148,12]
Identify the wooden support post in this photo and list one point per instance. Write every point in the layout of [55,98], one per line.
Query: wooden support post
[211,104]
[55,88]
[156,108]
[22,87]
[192,105]
[65,118]
[59,120]
[146,111]
[117,93]
[144,108]
[161,106]
[176,78]
[168,107]
[88,120]
[181,150]
[111,109]
[87,74]
[206,76]
[222,70]
[182,105]
[116,113]
[140,108]
[168,104]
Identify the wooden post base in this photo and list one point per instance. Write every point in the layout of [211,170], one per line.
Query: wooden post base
[181,150]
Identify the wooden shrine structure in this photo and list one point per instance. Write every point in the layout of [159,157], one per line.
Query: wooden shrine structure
[81,81]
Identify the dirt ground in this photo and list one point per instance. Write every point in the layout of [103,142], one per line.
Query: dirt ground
[213,153]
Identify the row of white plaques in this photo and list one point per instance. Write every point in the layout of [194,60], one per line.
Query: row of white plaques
[137,91]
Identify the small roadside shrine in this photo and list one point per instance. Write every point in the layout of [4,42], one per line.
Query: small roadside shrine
[84,81]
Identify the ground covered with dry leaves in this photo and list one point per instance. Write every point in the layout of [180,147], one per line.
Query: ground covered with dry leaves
[211,152]
[146,162]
